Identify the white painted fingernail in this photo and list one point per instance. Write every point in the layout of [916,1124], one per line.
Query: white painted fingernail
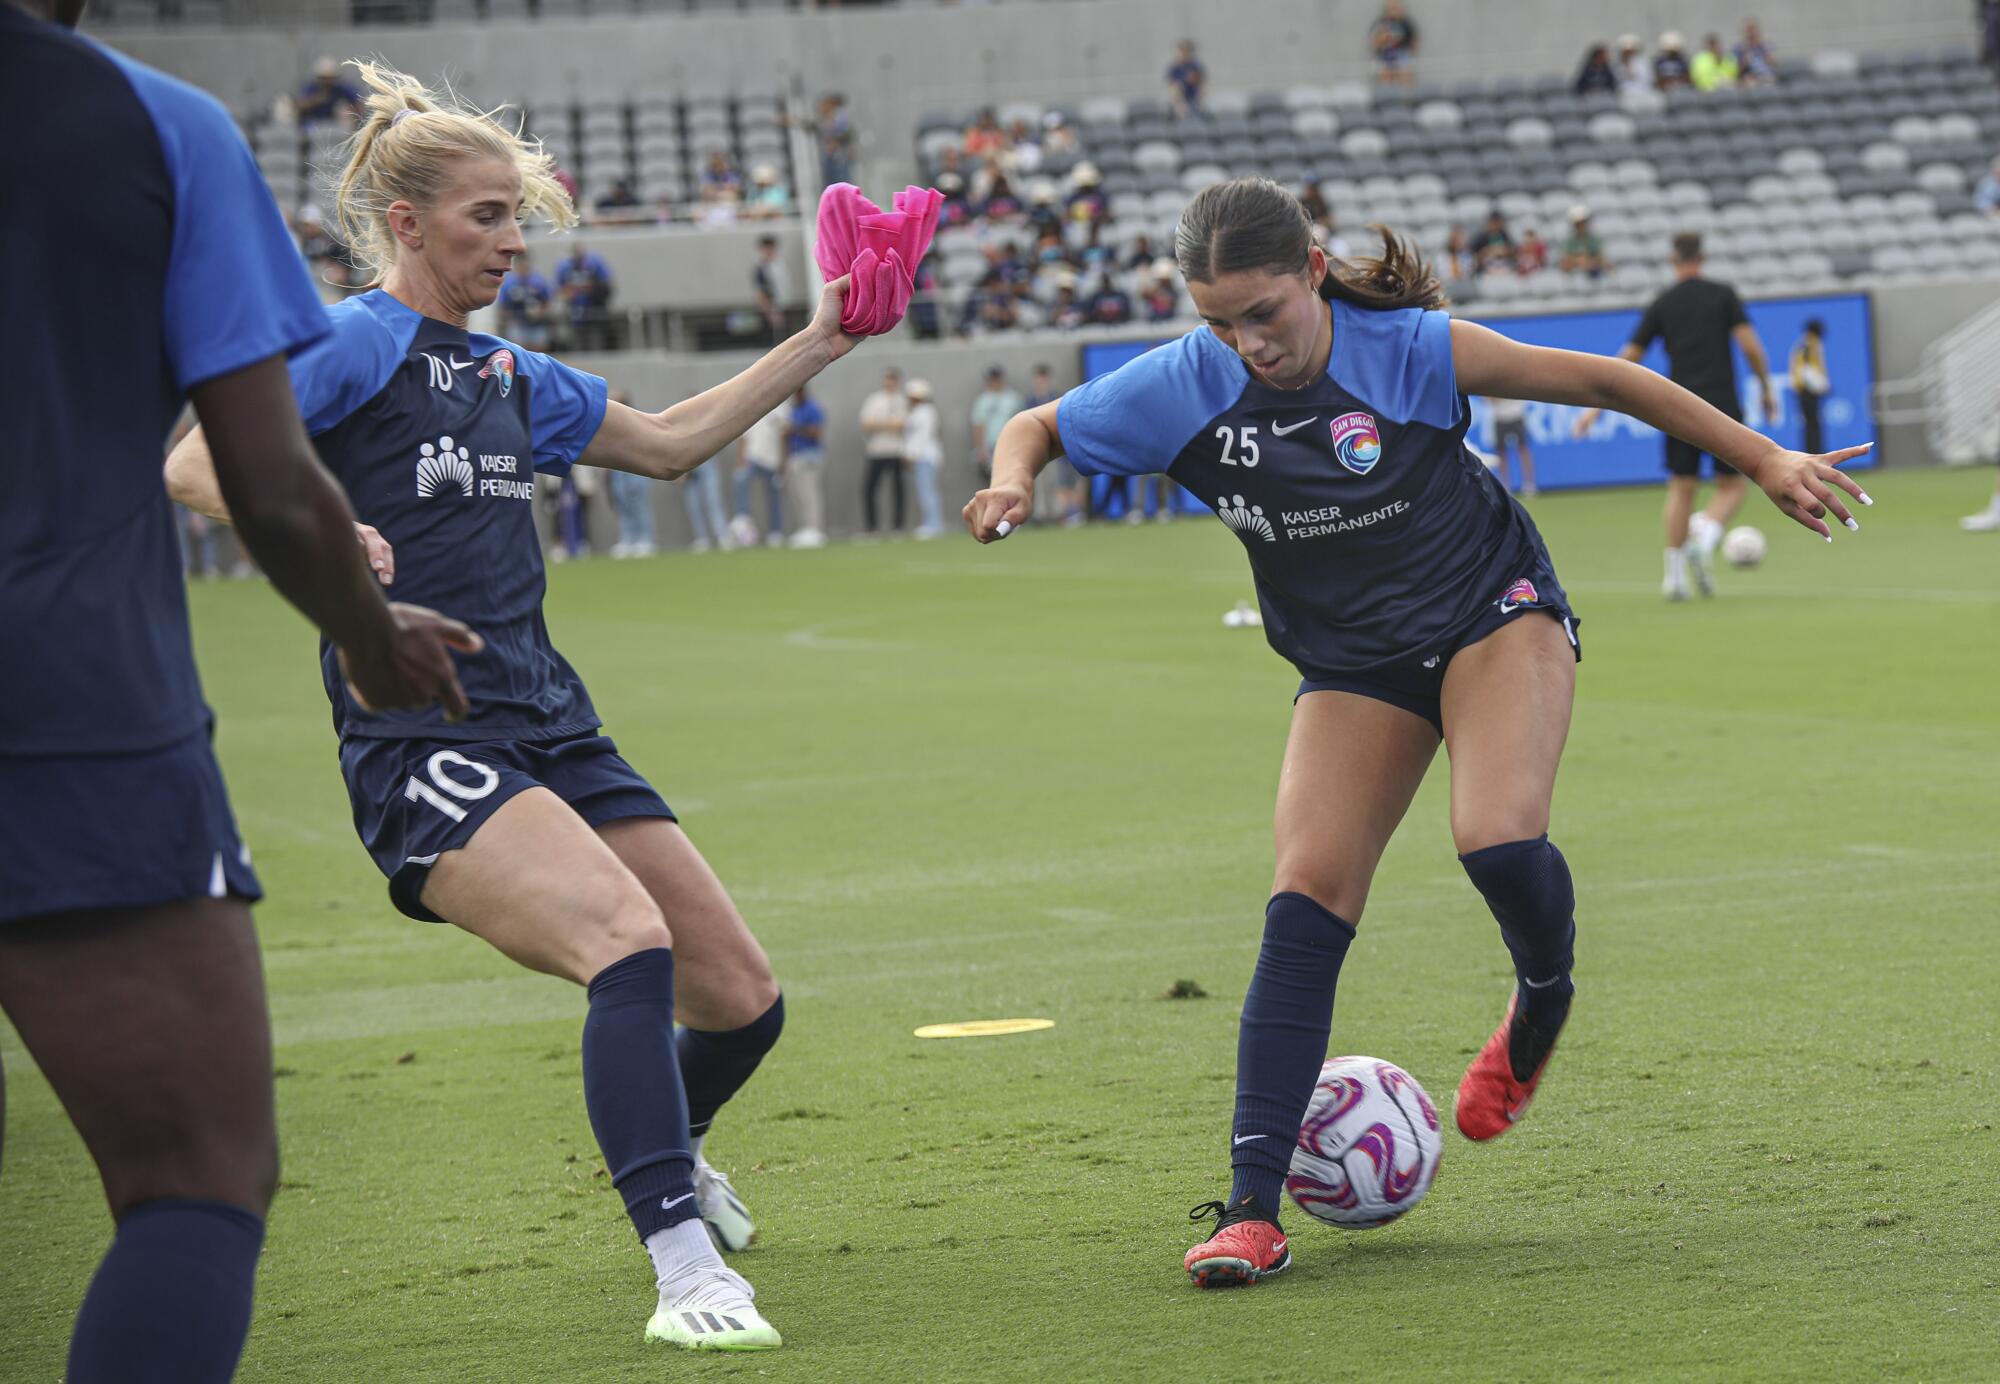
[1864,498]
[1827,536]
[1852,524]
[1003,528]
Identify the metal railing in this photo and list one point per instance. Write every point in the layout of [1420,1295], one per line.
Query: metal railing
[1955,393]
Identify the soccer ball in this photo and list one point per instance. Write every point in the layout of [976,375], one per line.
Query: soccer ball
[742,532]
[1743,546]
[1369,1146]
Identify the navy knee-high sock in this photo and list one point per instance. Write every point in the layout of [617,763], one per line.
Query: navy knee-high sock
[1281,1043]
[716,1063]
[1527,886]
[171,1302]
[632,1088]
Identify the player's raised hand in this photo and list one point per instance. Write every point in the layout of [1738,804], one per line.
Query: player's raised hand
[381,557]
[1807,488]
[413,668]
[826,317]
[997,512]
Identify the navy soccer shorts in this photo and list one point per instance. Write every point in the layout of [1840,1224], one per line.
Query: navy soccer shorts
[118,831]
[416,799]
[1684,458]
[1416,682]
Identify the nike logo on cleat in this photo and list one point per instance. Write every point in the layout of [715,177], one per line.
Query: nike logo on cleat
[1277,431]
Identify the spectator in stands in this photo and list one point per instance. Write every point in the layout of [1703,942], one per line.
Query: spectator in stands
[720,182]
[1755,61]
[1670,64]
[1493,248]
[1058,136]
[1109,305]
[524,306]
[326,100]
[1326,231]
[924,318]
[883,414]
[923,453]
[1086,196]
[1161,300]
[1598,73]
[1185,79]
[760,458]
[805,460]
[984,135]
[1142,254]
[1810,382]
[584,281]
[991,408]
[835,132]
[1986,195]
[1583,251]
[1392,39]
[1024,150]
[769,197]
[1532,256]
[632,502]
[1456,259]
[1066,313]
[620,205]
[1714,66]
[768,287]
[991,307]
[1045,213]
[957,209]
[1314,201]
[1000,201]
[1634,72]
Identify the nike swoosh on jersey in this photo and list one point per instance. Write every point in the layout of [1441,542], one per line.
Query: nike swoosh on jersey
[1277,431]
[457,364]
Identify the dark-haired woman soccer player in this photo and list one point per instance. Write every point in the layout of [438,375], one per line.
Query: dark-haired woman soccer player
[145,264]
[521,824]
[1321,412]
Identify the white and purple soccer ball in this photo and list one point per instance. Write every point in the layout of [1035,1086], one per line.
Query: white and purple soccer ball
[1369,1147]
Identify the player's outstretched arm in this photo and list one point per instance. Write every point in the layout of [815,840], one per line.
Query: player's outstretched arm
[295,521]
[1804,488]
[191,481]
[668,445]
[1028,442]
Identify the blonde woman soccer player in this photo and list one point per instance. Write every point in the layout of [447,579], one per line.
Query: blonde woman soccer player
[1321,412]
[521,824]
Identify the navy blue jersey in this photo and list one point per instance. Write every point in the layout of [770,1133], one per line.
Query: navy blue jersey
[140,255]
[1373,532]
[437,434]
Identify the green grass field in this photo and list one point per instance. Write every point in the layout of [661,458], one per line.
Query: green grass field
[1035,780]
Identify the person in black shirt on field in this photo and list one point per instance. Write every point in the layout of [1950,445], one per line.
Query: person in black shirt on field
[1697,319]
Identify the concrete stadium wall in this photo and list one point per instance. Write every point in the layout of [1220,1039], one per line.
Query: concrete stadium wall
[897,62]
[1907,317]
[682,267]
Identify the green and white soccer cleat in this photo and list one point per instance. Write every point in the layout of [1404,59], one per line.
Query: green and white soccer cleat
[715,1313]
[727,1218]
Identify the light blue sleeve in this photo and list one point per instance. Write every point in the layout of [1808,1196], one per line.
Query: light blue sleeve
[1398,362]
[337,375]
[565,409]
[237,291]
[1136,419]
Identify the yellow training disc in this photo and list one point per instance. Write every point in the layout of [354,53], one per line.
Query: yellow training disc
[984,1028]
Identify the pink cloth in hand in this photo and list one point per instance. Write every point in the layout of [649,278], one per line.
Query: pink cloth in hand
[880,249]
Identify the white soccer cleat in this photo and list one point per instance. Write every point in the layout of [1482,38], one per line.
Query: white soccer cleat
[1986,521]
[1701,566]
[727,1218]
[714,1312]
[1674,590]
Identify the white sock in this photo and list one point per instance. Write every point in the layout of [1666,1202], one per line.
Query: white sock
[699,1140]
[681,1253]
[1704,533]
[1677,566]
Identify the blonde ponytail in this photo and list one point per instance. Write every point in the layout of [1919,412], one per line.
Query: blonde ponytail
[405,151]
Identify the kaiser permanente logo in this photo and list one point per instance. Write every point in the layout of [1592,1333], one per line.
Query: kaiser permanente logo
[1245,519]
[1248,519]
[446,466]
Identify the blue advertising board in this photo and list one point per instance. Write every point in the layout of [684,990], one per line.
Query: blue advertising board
[1623,451]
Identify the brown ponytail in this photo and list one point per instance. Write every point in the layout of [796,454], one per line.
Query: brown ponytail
[1254,223]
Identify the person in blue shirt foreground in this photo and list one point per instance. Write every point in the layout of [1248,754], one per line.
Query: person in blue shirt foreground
[1321,412]
[521,824]
[146,266]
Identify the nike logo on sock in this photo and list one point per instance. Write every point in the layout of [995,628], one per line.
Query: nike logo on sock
[668,1205]
[1245,1138]
[1540,984]
[1277,431]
